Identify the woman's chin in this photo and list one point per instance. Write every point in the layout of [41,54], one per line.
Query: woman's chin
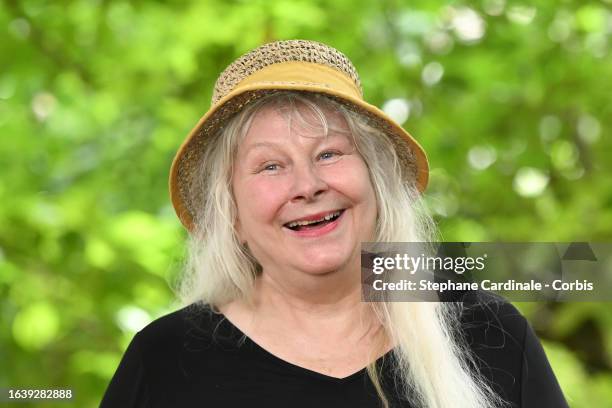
[324,266]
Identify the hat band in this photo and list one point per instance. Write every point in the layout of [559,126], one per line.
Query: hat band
[301,72]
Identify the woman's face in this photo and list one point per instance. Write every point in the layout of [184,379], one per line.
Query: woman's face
[283,175]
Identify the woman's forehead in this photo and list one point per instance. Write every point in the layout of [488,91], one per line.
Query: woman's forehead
[274,121]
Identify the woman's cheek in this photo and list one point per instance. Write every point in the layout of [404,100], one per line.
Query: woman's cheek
[269,192]
[350,171]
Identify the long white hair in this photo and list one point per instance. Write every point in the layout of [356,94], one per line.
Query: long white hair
[433,367]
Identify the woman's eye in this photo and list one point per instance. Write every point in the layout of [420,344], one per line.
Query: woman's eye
[269,167]
[328,155]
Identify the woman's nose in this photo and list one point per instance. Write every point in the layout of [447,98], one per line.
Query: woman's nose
[307,182]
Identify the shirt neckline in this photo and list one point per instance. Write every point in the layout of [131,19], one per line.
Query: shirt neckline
[296,368]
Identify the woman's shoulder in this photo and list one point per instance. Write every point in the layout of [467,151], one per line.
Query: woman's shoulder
[481,307]
[168,359]
[179,319]
[507,350]
[197,323]
[491,324]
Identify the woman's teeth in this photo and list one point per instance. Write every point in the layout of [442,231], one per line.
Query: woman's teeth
[325,218]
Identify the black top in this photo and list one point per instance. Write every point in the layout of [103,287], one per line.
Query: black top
[177,362]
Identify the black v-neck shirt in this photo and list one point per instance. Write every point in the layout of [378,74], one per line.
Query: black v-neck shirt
[197,358]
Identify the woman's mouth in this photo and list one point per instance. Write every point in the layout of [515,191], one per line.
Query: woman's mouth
[316,227]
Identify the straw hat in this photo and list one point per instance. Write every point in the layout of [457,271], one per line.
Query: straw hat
[298,65]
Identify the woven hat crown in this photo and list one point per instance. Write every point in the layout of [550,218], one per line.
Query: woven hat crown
[282,51]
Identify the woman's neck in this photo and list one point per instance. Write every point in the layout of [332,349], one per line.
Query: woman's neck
[338,317]
[326,309]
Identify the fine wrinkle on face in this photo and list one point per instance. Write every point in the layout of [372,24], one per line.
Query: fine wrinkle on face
[308,119]
[312,118]
[275,145]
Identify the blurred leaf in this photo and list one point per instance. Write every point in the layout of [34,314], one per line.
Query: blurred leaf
[36,325]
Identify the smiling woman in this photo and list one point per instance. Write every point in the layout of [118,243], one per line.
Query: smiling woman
[279,184]
[299,174]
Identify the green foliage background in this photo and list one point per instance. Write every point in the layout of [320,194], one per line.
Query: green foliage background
[510,100]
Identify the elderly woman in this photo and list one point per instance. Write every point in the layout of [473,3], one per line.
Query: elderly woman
[278,185]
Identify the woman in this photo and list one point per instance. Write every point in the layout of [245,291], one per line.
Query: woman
[278,184]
